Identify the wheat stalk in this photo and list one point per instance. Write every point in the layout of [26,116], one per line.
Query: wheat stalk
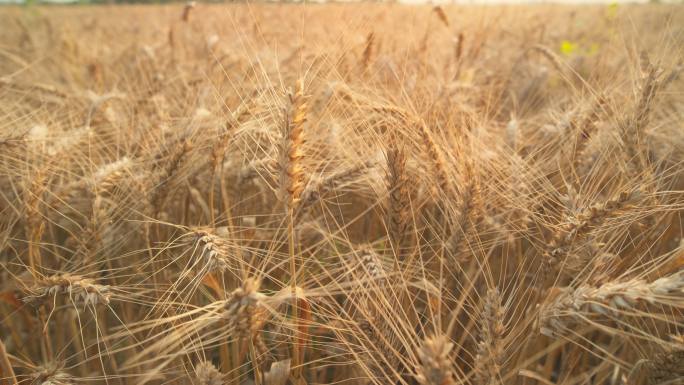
[291,186]
[6,370]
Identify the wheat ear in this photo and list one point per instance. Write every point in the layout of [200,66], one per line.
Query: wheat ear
[189,6]
[668,367]
[468,211]
[490,349]
[608,299]
[435,366]
[74,286]
[441,15]
[632,128]
[580,225]
[368,50]
[436,158]
[398,200]
[207,374]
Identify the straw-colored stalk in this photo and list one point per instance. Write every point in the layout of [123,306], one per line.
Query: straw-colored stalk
[291,186]
[6,370]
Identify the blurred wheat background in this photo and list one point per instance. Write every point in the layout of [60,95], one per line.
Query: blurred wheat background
[341,194]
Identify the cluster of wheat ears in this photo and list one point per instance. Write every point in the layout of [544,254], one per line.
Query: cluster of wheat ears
[353,194]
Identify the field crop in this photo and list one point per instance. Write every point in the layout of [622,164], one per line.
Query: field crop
[352,194]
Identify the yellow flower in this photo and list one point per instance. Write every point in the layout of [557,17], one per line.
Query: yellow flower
[567,48]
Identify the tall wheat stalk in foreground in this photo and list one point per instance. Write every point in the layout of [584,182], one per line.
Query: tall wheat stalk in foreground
[291,187]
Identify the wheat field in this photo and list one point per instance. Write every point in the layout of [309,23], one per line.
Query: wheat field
[353,194]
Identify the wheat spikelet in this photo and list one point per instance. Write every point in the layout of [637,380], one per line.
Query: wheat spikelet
[214,249]
[10,141]
[490,349]
[608,299]
[585,129]
[68,141]
[278,373]
[398,200]
[96,101]
[244,310]
[95,229]
[435,365]
[218,150]
[597,214]
[369,264]
[368,272]
[667,368]
[378,345]
[35,224]
[436,158]
[649,87]
[51,374]
[468,210]
[161,178]
[38,87]
[107,176]
[253,169]
[241,316]
[76,287]
[580,225]
[189,6]
[104,181]
[441,14]
[458,47]
[368,50]
[290,150]
[207,374]
[319,187]
[552,57]
[374,336]
[632,127]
